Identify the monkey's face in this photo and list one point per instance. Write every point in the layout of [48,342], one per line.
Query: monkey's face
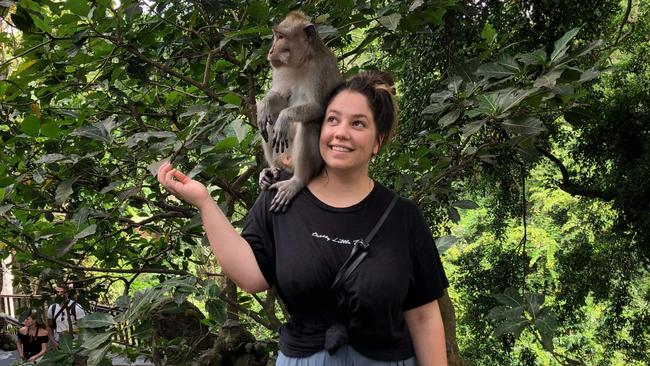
[348,136]
[279,53]
[290,47]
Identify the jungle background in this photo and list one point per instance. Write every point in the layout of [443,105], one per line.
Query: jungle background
[524,137]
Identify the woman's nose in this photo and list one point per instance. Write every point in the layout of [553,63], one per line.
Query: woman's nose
[341,131]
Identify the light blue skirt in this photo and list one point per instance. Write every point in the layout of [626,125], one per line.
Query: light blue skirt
[345,356]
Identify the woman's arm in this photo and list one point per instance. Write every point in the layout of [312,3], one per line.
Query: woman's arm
[428,334]
[19,346]
[231,250]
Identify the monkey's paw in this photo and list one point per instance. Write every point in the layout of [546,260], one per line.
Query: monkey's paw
[280,134]
[287,189]
[264,119]
[268,176]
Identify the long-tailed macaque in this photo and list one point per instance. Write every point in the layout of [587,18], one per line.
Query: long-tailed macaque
[289,116]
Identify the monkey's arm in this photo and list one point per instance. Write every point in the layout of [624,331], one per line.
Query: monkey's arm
[310,112]
[268,109]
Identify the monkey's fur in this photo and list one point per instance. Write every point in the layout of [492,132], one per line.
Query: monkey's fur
[289,116]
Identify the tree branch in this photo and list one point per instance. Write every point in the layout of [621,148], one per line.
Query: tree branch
[626,17]
[571,187]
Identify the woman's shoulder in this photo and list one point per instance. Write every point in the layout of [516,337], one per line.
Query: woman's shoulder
[42,332]
[386,194]
[22,330]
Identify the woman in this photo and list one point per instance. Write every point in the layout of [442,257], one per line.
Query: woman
[388,306]
[32,338]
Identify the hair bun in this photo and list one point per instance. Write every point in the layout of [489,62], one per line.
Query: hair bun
[379,80]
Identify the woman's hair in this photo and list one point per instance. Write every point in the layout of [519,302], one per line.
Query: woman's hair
[37,317]
[379,88]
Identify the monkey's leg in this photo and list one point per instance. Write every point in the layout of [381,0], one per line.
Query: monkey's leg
[306,163]
[269,175]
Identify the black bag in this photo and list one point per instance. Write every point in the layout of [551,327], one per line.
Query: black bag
[337,334]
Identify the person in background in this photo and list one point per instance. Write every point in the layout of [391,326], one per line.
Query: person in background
[32,338]
[62,315]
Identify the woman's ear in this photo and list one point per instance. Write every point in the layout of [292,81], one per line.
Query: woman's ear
[380,141]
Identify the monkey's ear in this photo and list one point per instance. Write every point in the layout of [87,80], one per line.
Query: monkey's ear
[310,31]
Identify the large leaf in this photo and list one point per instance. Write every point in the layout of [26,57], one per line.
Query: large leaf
[445,242]
[523,126]
[390,22]
[511,326]
[64,190]
[510,297]
[97,320]
[90,230]
[534,302]
[449,118]
[561,44]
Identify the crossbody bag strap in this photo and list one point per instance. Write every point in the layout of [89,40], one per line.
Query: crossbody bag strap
[360,250]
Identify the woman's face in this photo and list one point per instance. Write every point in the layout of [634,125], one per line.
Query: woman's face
[28,321]
[348,137]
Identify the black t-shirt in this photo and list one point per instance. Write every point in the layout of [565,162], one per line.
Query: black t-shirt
[32,344]
[302,249]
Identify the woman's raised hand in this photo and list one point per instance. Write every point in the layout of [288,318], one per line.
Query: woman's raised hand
[183,187]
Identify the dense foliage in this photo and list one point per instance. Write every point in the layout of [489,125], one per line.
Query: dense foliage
[506,106]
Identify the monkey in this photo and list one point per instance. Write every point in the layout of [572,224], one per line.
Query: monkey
[304,73]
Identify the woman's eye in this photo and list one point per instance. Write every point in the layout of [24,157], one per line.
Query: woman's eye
[331,119]
[358,123]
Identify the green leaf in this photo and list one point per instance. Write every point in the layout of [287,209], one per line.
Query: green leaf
[511,326]
[390,22]
[145,136]
[64,190]
[504,67]
[42,23]
[546,323]
[31,125]
[2,194]
[132,11]
[97,354]
[79,7]
[445,242]
[472,127]
[97,320]
[259,11]
[96,340]
[65,343]
[510,297]
[436,108]
[589,75]
[523,126]
[561,44]
[488,33]
[51,130]
[453,214]
[449,118]
[533,302]
[537,57]
[579,115]
[90,230]
[4,209]
[454,84]
[549,79]
[499,313]
[465,204]
[231,98]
